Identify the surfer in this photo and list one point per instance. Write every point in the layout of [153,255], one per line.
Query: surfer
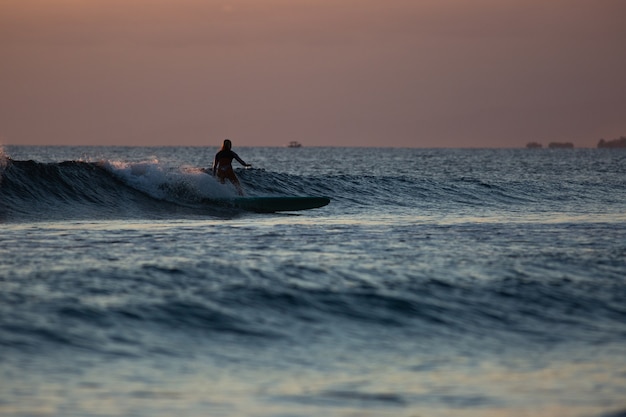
[222,165]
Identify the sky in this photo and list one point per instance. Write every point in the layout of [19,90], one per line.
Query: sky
[384,73]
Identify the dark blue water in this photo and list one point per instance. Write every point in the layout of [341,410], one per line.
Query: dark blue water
[437,282]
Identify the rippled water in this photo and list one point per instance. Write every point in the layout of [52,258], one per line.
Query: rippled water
[437,282]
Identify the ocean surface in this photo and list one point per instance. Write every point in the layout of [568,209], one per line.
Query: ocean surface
[437,282]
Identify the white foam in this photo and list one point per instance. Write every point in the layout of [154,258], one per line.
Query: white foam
[183,184]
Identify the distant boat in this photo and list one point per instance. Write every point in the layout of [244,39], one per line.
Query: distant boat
[294,144]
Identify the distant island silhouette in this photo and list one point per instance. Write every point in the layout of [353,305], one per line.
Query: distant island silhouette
[534,145]
[607,144]
[560,145]
[612,144]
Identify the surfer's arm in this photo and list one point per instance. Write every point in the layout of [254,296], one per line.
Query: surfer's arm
[214,169]
[241,160]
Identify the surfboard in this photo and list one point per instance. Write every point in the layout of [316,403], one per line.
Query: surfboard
[274,204]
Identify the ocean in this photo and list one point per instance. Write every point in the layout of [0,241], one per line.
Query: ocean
[437,282]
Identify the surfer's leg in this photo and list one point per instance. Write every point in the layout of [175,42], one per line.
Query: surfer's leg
[235,182]
[230,174]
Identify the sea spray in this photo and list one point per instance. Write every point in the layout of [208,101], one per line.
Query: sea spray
[180,185]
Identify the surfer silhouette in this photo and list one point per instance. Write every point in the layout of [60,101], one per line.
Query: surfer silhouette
[222,165]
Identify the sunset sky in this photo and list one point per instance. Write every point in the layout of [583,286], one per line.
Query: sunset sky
[403,73]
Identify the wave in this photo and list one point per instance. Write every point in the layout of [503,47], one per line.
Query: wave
[105,189]
[32,190]
[68,190]
[528,312]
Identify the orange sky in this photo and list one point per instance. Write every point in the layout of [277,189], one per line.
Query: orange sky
[414,73]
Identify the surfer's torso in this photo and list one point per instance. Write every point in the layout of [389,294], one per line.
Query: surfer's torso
[223,161]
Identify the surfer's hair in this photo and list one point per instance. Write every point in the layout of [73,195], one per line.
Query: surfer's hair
[227,145]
